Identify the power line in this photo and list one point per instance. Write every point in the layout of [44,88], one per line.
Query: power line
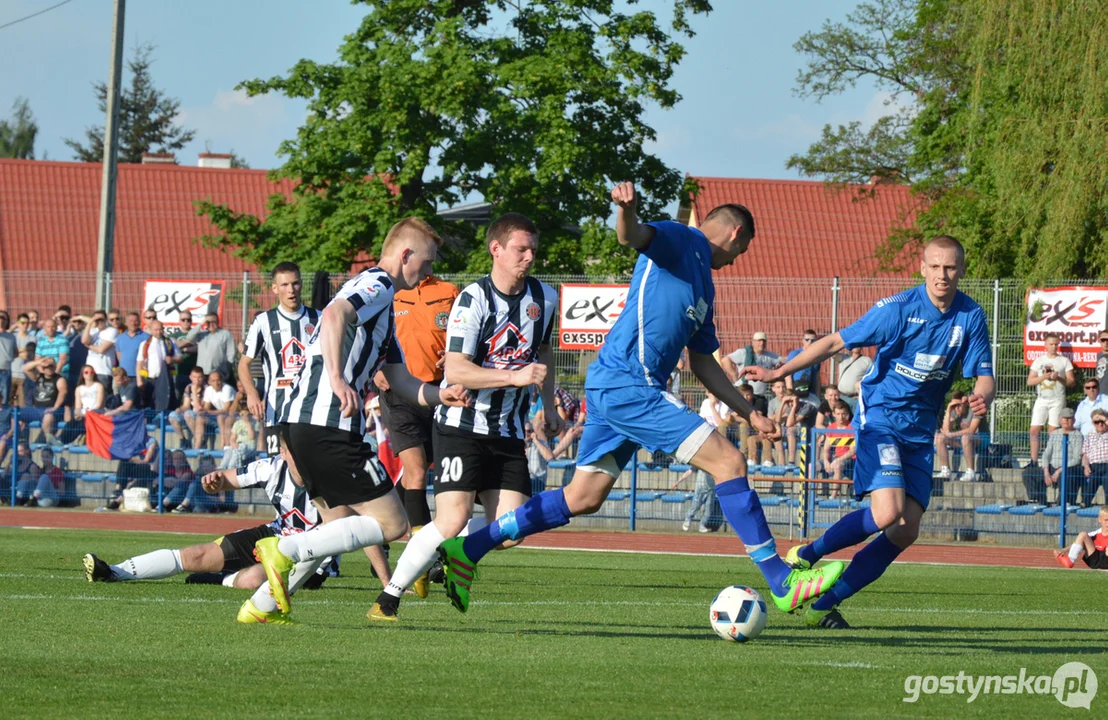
[40,12]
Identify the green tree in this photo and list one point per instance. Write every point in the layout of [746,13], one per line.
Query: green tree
[535,107]
[999,124]
[146,117]
[17,136]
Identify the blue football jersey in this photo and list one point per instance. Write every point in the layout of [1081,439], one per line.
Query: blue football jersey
[918,350]
[669,308]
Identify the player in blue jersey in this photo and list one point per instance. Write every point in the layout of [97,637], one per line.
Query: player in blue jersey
[668,309]
[922,336]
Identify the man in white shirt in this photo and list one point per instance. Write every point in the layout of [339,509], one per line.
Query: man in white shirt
[1093,400]
[1051,374]
[99,337]
[753,354]
[216,404]
[852,368]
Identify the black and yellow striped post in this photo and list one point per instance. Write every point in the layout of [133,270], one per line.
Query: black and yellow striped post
[803,453]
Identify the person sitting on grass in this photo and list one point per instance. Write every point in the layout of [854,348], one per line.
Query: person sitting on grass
[1090,546]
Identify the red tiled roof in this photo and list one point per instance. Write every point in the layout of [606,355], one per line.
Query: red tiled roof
[49,215]
[807,234]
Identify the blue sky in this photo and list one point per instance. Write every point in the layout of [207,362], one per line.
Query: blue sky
[739,116]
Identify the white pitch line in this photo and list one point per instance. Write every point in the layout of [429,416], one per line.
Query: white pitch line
[543,603]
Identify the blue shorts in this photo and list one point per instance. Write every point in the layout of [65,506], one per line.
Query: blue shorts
[884,461]
[621,420]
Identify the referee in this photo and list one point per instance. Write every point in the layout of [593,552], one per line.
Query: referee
[421,314]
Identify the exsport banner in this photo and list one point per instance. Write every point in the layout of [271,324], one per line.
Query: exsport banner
[587,314]
[1075,314]
[167,298]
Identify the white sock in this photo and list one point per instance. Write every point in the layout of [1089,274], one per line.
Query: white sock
[419,555]
[151,566]
[229,580]
[1077,551]
[299,575]
[334,538]
[475,523]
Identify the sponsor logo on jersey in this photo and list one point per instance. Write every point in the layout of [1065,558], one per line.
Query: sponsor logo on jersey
[508,346]
[920,375]
[956,335]
[925,361]
[916,321]
[292,356]
[534,311]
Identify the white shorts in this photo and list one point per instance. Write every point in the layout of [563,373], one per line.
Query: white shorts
[1047,411]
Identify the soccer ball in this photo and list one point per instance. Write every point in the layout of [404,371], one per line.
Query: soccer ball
[738,613]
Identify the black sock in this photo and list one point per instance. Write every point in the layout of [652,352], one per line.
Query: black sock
[415,504]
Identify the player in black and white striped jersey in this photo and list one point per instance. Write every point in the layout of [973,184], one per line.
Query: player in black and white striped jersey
[279,337]
[325,423]
[497,345]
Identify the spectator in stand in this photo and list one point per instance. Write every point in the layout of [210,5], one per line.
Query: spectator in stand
[1094,457]
[128,343]
[805,382]
[23,332]
[99,339]
[960,428]
[841,465]
[47,396]
[1102,363]
[155,358]
[45,490]
[9,350]
[192,402]
[242,439]
[753,354]
[540,453]
[750,441]
[21,395]
[52,345]
[197,500]
[34,326]
[141,471]
[179,478]
[89,395]
[567,406]
[800,421]
[853,366]
[126,395]
[216,408]
[826,413]
[1051,374]
[186,336]
[7,432]
[216,350]
[778,411]
[26,473]
[78,355]
[1093,400]
[1036,485]
[61,321]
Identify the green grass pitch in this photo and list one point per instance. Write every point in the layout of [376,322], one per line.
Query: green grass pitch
[550,634]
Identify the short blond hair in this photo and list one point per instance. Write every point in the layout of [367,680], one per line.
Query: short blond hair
[406,229]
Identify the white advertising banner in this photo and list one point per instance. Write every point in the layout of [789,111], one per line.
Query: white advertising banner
[588,313]
[1075,314]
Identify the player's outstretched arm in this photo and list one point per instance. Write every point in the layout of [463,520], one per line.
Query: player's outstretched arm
[220,480]
[708,371]
[416,391]
[815,353]
[629,231]
[461,369]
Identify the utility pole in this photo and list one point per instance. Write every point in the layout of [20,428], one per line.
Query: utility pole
[105,248]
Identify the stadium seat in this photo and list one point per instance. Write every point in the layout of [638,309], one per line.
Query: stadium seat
[647,495]
[561,464]
[772,500]
[77,449]
[34,424]
[993,509]
[617,495]
[1090,512]
[775,470]
[1026,509]
[96,477]
[1056,511]
[673,498]
[193,453]
[833,504]
[680,467]
[793,502]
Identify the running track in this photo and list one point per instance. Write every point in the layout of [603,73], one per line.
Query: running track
[694,543]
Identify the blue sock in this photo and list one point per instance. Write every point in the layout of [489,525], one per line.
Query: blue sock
[743,510]
[851,529]
[867,566]
[545,511]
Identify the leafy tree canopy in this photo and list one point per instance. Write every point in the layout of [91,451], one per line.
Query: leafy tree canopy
[17,135]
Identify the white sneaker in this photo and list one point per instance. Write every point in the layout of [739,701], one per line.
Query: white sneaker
[767,463]
[944,472]
[704,529]
[968,476]
[685,526]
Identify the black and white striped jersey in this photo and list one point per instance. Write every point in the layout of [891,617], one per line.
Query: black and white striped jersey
[280,341]
[504,332]
[295,511]
[366,345]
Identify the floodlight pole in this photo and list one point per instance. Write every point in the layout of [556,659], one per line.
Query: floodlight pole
[105,248]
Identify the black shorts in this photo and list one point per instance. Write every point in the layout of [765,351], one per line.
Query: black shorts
[1097,561]
[475,463]
[409,425]
[337,465]
[238,547]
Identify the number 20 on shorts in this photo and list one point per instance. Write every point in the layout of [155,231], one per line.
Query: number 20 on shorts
[451,469]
